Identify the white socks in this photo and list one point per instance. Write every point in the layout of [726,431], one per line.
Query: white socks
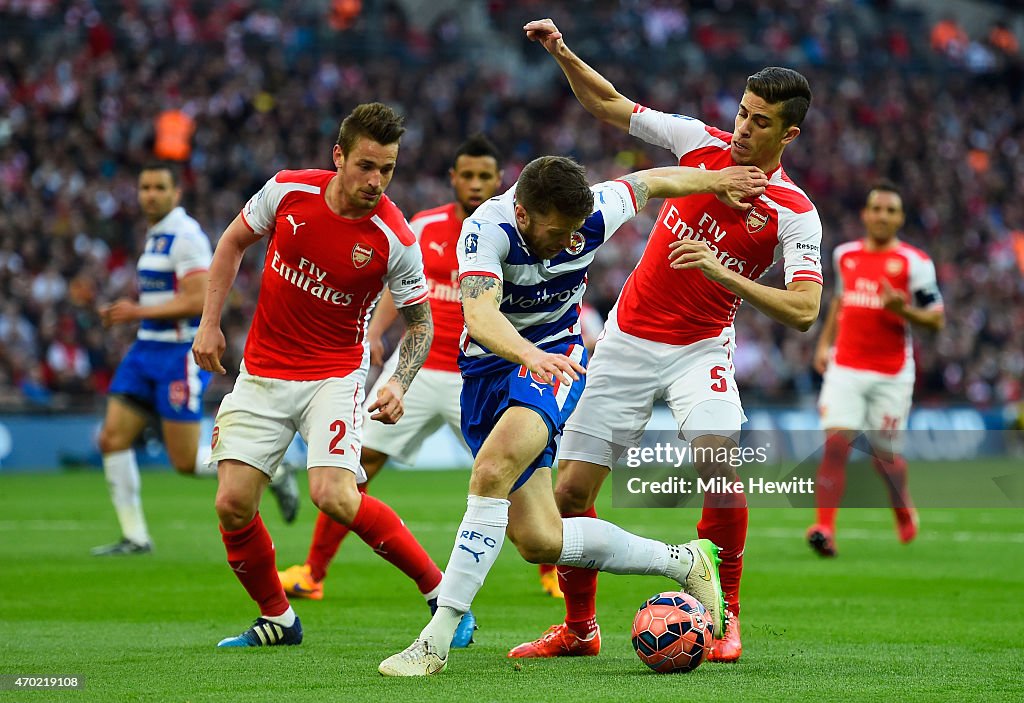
[590,543]
[285,619]
[123,480]
[477,545]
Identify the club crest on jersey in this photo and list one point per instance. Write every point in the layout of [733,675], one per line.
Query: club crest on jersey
[756,220]
[361,255]
[576,243]
[893,267]
[216,437]
[472,241]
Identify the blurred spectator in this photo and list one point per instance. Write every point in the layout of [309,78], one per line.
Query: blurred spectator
[83,85]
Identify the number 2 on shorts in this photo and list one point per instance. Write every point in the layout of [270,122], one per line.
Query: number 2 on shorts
[339,428]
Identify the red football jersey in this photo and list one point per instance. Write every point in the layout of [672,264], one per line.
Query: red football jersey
[322,277]
[682,307]
[870,337]
[438,232]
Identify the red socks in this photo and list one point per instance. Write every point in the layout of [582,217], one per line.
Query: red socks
[831,481]
[251,557]
[724,522]
[894,475]
[379,526]
[327,537]
[580,589]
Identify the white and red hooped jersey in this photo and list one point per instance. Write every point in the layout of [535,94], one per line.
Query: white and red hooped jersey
[870,337]
[438,233]
[682,306]
[322,277]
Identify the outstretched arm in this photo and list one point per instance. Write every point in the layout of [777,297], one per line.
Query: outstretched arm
[597,95]
[481,300]
[732,185]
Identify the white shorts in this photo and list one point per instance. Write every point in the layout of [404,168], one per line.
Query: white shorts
[866,401]
[258,419]
[627,374]
[431,401]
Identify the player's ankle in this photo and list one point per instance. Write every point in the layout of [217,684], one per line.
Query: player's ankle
[583,629]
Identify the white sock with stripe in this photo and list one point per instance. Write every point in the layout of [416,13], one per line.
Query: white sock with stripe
[285,619]
[123,480]
[590,543]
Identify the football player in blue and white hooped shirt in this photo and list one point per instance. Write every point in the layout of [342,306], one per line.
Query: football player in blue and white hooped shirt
[157,375]
[523,259]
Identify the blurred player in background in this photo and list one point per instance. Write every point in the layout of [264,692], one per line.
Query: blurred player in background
[523,260]
[433,397]
[157,375]
[671,333]
[335,241]
[866,355]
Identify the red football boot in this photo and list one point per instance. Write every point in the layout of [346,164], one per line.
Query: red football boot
[558,641]
[728,648]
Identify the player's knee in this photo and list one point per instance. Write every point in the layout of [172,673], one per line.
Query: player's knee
[573,497]
[110,440]
[233,510]
[182,466]
[492,475]
[712,457]
[339,501]
[536,548]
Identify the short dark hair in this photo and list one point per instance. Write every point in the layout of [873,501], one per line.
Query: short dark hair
[884,185]
[376,121]
[478,145]
[775,84]
[555,183]
[169,166]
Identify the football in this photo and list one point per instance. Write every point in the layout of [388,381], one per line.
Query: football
[672,633]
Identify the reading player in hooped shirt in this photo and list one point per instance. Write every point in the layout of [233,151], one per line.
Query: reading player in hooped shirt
[671,333]
[433,397]
[523,261]
[882,287]
[335,239]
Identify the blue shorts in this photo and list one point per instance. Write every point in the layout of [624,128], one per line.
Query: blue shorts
[485,399]
[163,378]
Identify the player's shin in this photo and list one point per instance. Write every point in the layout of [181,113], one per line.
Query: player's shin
[122,473]
[724,522]
[250,554]
[580,589]
[381,528]
[600,545]
[477,544]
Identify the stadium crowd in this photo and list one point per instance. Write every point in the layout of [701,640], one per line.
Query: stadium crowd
[237,90]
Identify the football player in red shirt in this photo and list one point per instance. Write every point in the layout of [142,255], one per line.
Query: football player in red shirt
[433,397]
[883,286]
[671,333]
[335,239]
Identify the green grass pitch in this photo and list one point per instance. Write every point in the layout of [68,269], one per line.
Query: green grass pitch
[937,620]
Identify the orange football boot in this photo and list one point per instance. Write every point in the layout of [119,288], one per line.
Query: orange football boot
[298,583]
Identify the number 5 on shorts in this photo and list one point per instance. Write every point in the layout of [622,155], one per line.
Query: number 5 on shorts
[719,385]
[338,427]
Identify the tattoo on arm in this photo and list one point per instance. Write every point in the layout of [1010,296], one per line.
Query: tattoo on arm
[641,191]
[415,346]
[476,286]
